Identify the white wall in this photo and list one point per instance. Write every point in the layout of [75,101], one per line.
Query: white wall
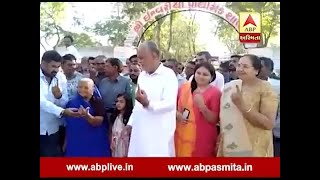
[91,51]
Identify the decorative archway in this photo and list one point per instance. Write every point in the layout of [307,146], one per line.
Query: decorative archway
[166,8]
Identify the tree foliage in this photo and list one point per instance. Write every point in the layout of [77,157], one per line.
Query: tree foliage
[81,40]
[270,15]
[116,29]
[184,32]
[52,15]
[175,34]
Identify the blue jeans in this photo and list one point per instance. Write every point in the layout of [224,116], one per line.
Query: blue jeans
[49,145]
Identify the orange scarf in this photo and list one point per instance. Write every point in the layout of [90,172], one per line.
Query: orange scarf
[185,134]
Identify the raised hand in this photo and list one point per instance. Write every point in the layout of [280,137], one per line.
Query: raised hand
[237,98]
[198,99]
[56,91]
[141,97]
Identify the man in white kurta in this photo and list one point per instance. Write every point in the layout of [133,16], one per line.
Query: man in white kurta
[154,124]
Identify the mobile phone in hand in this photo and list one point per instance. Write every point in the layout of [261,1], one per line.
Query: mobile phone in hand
[185,114]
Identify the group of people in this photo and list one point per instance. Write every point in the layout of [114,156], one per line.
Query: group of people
[157,108]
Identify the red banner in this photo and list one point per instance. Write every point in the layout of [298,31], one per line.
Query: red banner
[159,167]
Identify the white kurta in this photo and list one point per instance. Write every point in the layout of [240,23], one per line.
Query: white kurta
[73,50]
[153,127]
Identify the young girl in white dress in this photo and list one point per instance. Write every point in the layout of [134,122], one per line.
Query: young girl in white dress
[120,137]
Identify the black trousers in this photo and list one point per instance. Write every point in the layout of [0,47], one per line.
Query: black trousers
[49,145]
[62,136]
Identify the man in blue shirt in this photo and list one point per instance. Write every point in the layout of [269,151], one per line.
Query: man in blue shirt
[53,98]
[113,85]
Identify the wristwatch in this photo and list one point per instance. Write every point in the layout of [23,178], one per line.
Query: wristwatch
[59,97]
[61,114]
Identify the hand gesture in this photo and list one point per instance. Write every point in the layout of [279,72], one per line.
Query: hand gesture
[141,97]
[71,112]
[198,99]
[83,111]
[237,97]
[56,91]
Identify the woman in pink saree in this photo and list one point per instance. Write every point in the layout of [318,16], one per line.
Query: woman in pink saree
[197,115]
[247,113]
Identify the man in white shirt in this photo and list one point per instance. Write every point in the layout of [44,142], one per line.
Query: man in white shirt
[68,42]
[153,119]
[204,56]
[53,98]
[265,72]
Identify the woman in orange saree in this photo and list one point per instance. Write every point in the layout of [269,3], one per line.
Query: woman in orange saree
[247,113]
[197,115]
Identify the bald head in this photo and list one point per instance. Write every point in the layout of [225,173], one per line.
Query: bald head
[151,46]
[149,56]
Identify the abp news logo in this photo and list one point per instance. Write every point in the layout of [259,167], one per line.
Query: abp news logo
[249,27]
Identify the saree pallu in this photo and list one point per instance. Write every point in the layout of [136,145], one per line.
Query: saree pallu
[234,138]
[240,138]
[185,134]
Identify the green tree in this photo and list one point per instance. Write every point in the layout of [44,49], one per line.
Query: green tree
[81,40]
[52,15]
[118,26]
[270,15]
[174,34]
[115,28]
[183,35]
